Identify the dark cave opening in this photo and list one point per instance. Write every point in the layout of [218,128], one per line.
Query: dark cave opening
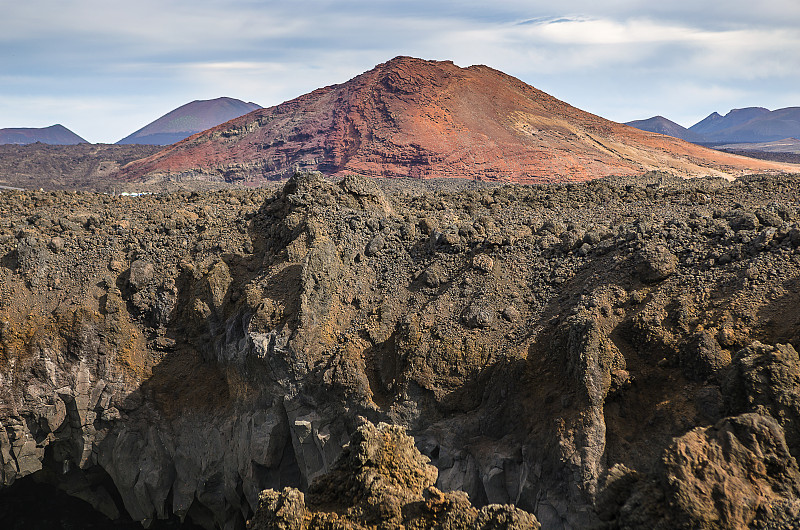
[31,503]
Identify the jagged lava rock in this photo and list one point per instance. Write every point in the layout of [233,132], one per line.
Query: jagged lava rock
[381,481]
[257,333]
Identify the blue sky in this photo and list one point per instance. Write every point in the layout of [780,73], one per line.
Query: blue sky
[105,68]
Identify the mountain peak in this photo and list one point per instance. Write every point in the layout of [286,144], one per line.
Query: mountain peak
[54,134]
[418,118]
[748,111]
[416,62]
[189,119]
[661,125]
[749,125]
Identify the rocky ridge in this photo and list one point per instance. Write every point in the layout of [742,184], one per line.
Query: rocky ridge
[178,354]
[750,124]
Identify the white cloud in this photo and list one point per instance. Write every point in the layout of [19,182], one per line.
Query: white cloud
[585,31]
[613,58]
[565,45]
[749,54]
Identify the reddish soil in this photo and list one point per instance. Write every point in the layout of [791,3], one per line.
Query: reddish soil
[424,119]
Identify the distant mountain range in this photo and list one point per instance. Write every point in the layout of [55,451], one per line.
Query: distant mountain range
[748,125]
[715,124]
[425,119]
[54,135]
[189,119]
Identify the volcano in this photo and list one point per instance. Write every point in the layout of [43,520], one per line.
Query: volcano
[661,125]
[189,119]
[427,119]
[55,135]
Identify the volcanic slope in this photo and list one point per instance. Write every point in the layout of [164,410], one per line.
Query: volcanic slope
[414,118]
[189,119]
[55,135]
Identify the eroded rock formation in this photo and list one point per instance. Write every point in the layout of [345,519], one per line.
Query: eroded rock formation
[381,481]
[615,354]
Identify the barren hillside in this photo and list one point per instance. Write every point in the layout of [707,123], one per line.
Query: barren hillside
[424,119]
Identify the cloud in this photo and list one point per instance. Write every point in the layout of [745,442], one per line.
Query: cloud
[568,44]
[597,55]
[587,31]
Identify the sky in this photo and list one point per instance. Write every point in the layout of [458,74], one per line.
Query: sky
[105,68]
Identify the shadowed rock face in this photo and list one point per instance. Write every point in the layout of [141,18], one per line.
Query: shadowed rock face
[381,481]
[609,354]
[425,119]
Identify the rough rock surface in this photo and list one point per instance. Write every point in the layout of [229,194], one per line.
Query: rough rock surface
[177,354]
[83,166]
[735,474]
[425,119]
[381,481]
